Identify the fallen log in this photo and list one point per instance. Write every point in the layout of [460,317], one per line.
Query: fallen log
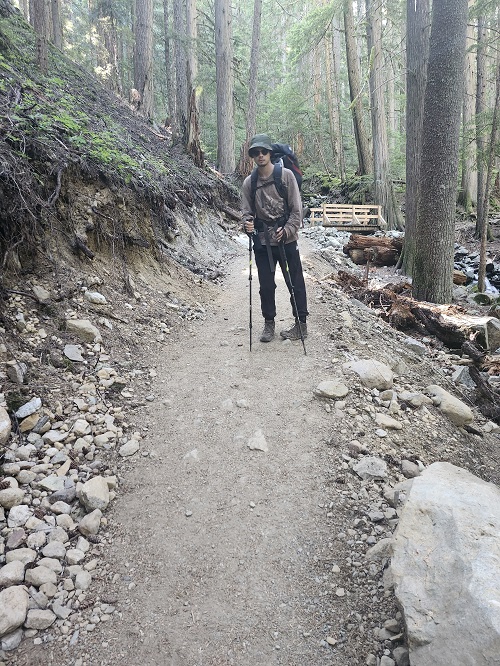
[377,250]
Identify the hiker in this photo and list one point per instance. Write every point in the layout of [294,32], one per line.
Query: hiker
[273,219]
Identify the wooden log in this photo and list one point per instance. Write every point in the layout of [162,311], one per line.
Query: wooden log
[377,250]
[230,212]
[459,277]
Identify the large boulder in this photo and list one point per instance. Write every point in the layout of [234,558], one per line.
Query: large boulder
[446,568]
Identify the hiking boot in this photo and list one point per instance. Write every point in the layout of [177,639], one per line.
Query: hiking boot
[268,333]
[294,332]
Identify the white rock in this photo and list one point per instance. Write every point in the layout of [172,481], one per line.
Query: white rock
[12,574]
[10,497]
[95,297]
[331,388]
[40,575]
[39,619]
[373,373]
[447,559]
[29,408]
[371,467]
[84,329]
[90,523]
[385,421]
[5,426]
[74,556]
[257,442]
[54,549]
[83,580]
[457,411]
[13,608]
[25,555]
[19,515]
[129,448]
[74,353]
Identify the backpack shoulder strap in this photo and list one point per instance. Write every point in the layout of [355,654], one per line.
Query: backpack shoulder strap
[278,181]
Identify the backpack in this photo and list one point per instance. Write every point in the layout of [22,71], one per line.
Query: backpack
[282,156]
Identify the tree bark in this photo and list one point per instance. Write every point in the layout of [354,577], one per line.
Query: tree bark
[143,55]
[365,162]
[433,270]
[468,184]
[480,110]
[170,111]
[224,85]
[42,29]
[57,37]
[192,138]
[417,53]
[384,189]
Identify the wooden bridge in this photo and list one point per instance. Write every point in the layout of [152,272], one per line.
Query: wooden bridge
[360,218]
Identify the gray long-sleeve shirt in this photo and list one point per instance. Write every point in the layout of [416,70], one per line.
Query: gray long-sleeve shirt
[270,206]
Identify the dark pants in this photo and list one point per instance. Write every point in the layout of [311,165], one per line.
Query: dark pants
[268,284]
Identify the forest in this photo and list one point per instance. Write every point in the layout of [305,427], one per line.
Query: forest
[403,96]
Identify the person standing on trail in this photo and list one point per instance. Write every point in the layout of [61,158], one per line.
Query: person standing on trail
[273,219]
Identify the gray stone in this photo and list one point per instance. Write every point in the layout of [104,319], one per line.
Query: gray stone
[457,411]
[16,372]
[332,388]
[19,515]
[129,448]
[83,580]
[446,557]
[257,442]
[387,422]
[402,656]
[410,469]
[74,353]
[29,408]
[13,608]
[94,494]
[52,483]
[397,495]
[10,497]
[415,346]
[41,294]
[39,619]
[12,573]
[5,426]
[371,467]
[54,549]
[39,576]
[90,523]
[84,329]
[24,555]
[373,373]
[11,641]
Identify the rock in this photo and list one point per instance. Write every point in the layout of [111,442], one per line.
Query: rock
[373,373]
[13,608]
[447,558]
[62,612]
[94,494]
[402,656]
[41,294]
[74,353]
[80,428]
[16,372]
[83,580]
[24,555]
[29,408]
[371,467]
[94,297]
[387,661]
[415,346]
[129,448]
[16,538]
[381,550]
[410,469]
[415,400]
[84,329]
[388,422]
[54,549]
[19,515]
[5,426]
[11,641]
[457,411]
[12,574]
[39,619]
[90,523]
[10,497]
[52,483]
[257,442]
[40,575]
[397,495]
[332,388]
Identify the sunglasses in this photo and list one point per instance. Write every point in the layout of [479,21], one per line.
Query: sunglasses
[259,151]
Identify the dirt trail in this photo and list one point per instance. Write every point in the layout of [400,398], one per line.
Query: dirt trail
[213,542]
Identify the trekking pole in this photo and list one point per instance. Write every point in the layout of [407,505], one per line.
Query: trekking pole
[250,285]
[292,291]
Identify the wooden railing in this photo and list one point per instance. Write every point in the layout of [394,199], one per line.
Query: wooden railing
[349,217]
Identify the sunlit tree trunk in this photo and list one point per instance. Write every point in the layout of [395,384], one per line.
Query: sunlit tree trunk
[143,55]
[108,57]
[55,12]
[24,6]
[468,184]
[417,53]
[435,236]
[338,103]
[224,85]
[334,135]
[365,162]
[383,186]
[480,111]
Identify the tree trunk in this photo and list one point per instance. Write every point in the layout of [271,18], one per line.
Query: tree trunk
[180,70]
[480,110]
[332,124]
[417,53]
[384,189]
[192,139]
[170,111]
[468,184]
[224,85]
[42,29]
[365,162]
[108,57]
[492,148]
[57,38]
[338,105]
[433,270]
[143,55]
